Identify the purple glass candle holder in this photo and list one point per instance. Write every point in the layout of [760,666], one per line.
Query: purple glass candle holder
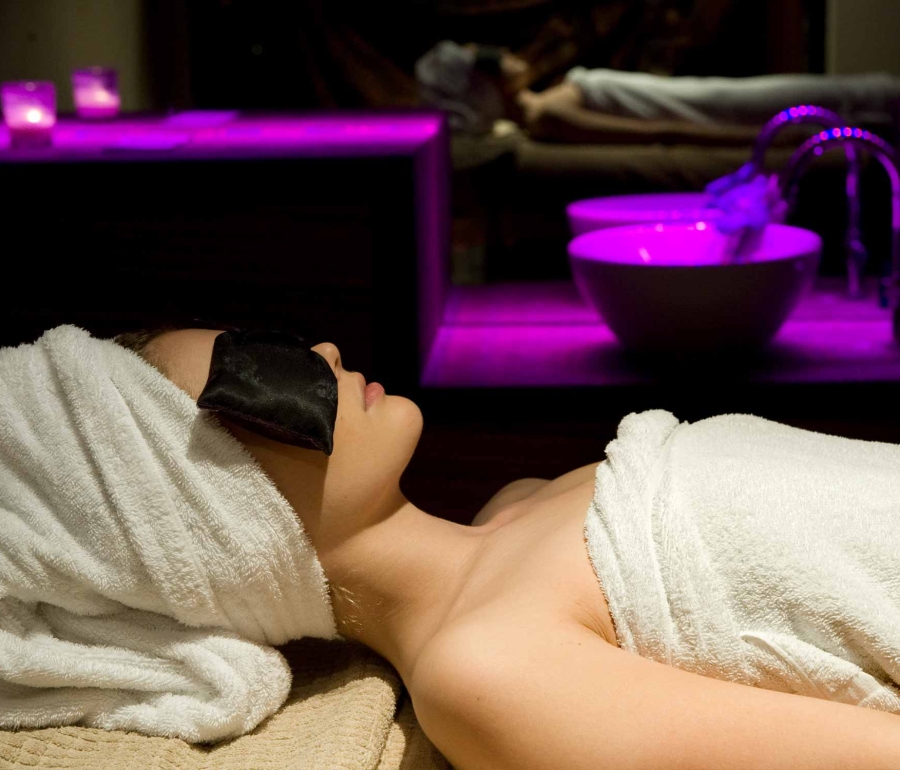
[96,93]
[29,110]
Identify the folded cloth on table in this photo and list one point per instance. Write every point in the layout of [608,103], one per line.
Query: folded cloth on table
[750,551]
[147,563]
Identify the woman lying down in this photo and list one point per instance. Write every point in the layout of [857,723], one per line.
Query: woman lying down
[724,594]
[476,85]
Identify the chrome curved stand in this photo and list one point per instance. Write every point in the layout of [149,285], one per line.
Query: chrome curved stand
[809,113]
[866,140]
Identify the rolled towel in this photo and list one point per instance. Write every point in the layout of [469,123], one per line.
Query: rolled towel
[453,78]
[746,550]
[147,563]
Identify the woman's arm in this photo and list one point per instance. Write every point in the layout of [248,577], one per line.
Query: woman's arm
[578,125]
[562,120]
[545,696]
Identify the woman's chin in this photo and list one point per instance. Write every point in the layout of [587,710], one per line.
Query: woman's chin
[400,402]
[406,412]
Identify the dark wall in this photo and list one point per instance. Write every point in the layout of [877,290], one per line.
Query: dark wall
[355,53]
[286,243]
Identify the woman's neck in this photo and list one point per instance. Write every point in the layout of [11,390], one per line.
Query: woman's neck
[396,583]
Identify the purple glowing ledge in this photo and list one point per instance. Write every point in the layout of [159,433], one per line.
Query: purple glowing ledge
[200,134]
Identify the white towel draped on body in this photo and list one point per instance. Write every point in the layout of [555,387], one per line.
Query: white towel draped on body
[147,563]
[750,551]
[750,101]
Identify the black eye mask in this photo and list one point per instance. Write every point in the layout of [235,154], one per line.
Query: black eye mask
[273,384]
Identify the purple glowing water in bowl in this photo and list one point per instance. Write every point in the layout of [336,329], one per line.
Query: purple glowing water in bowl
[673,288]
[618,210]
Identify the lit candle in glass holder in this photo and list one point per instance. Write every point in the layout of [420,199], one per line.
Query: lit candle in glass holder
[29,109]
[96,91]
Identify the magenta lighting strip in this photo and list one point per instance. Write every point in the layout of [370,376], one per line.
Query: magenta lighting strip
[199,134]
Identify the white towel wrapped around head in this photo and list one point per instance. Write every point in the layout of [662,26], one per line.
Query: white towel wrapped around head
[146,560]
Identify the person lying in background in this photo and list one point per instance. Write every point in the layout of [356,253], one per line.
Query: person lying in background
[714,595]
[636,106]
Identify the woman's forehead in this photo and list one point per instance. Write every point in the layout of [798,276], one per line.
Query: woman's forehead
[184,356]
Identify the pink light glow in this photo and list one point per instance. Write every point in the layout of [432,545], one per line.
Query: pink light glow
[29,111]
[96,103]
[96,93]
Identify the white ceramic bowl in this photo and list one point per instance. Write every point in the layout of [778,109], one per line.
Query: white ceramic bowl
[670,287]
[650,209]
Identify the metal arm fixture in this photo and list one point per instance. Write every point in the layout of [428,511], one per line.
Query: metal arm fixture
[866,140]
[810,113]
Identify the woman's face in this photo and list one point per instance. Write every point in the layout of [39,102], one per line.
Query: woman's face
[337,495]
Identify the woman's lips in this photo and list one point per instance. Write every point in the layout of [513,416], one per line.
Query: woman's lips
[373,392]
[370,393]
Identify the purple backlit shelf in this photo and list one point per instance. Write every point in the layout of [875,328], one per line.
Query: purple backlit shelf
[542,335]
[202,134]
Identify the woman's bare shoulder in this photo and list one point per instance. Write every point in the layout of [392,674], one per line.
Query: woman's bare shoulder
[506,497]
[526,490]
[583,475]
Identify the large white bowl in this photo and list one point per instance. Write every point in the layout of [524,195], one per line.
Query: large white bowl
[652,208]
[671,287]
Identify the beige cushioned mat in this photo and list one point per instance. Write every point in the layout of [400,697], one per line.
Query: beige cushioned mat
[347,710]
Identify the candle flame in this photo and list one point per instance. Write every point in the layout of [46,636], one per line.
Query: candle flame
[33,116]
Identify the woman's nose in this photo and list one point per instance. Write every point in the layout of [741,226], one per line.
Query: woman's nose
[329,352]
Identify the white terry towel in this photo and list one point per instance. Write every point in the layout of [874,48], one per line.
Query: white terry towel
[753,552]
[147,563]
[750,101]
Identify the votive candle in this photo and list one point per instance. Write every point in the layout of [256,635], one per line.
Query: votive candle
[96,92]
[29,110]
